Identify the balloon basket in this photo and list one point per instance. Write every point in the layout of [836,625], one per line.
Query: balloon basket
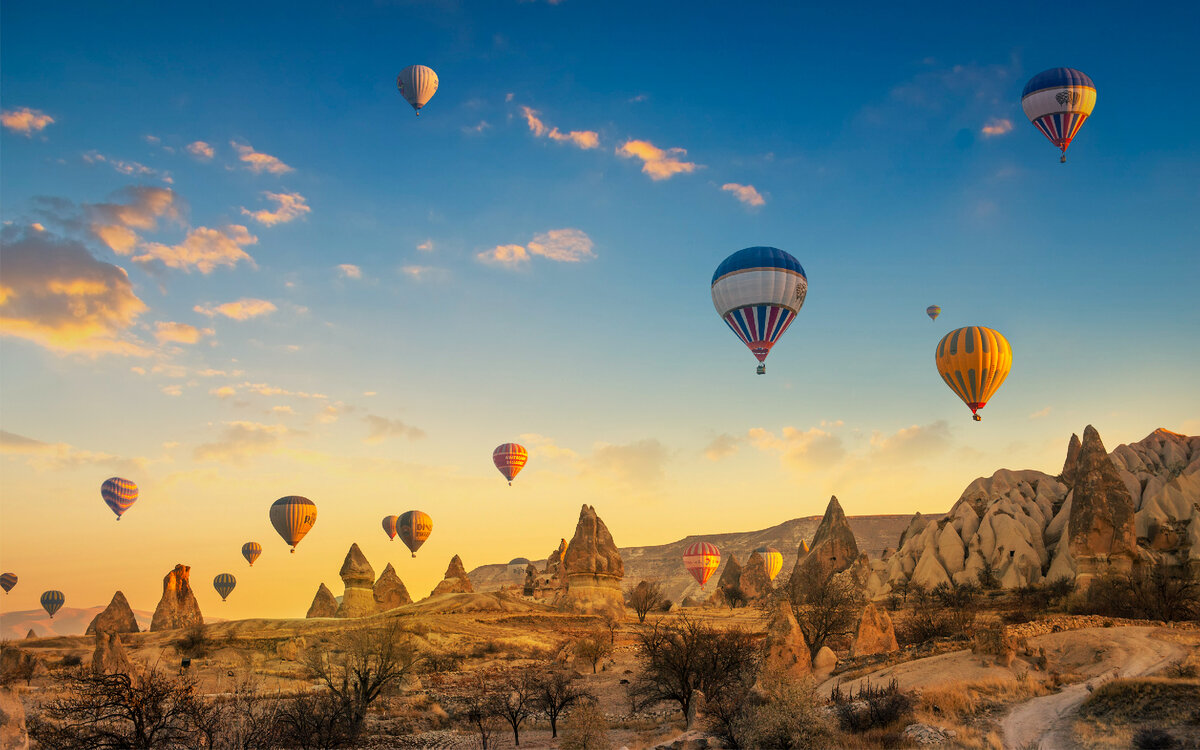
[977,418]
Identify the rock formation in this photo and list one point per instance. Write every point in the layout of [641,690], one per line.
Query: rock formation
[530,585]
[731,577]
[389,590]
[876,635]
[833,547]
[31,634]
[455,581]
[117,617]
[324,604]
[1101,531]
[13,732]
[554,561]
[1071,465]
[110,656]
[824,663]
[784,648]
[177,608]
[594,569]
[358,600]
[755,582]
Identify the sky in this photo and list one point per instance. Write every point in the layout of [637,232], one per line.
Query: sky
[236,267]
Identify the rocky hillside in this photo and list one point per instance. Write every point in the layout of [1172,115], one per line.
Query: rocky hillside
[67,621]
[664,562]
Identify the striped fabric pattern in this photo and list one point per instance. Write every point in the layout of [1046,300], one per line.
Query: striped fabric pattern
[224,583]
[7,581]
[973,361]
[510,458]
[251,551]
[293,516]
[1058,101]
[774,560]
[414,527]
[418,84]
[757,291]
[759,327]
[933,311]
[119,494]
[389,526]
[52,601]
[701,559]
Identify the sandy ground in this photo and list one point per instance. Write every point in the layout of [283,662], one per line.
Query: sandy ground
[1045,722]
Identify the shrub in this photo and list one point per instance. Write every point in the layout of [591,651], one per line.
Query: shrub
[873,708]
[594,647]
[194,643]
[71,660]
[443,662]
[585,728]
[782,715]
[1153,739]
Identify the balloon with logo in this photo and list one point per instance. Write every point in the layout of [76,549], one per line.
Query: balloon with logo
[701,559]
[1058,101]
[389,526]
[510,458]
[251,551]
[418,84]
[973,361]
[774,560]
[293,517]
[52,601]
[224,584]
[119,494]
[414,527]
[757,292]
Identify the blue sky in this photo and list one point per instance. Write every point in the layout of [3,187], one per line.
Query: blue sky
[374,346]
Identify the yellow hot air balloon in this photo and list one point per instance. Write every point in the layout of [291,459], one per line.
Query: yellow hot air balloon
[773,558]
[974,361]
[293,516]
[414,527]
[418,84]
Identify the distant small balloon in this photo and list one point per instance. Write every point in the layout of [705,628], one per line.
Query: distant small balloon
[418,84]
[414,527]
[389,526]
[52,601]
[509,459]
[933,311]
[119,494]
[7,581]
[251,551]
[293,517]
[224,584]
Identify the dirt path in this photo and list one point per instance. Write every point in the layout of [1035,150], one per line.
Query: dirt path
[1045,723]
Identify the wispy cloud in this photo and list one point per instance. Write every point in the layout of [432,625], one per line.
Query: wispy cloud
[349,271]
[257,161]
[660,164]
[510,256]
[584,139]
[424,273]
[179,333]
[802,449]
[25,121]
[55,294]
[997,126]
[288,206]
[44,456]
[382,428]
[241,440]
[200,150]
[1040,413]
[638,463]
[476,129]
[745,193]
[242,309]
[115,223]
[203,249]
[721,446]
[264,389]
[426,246]
[131,168]
[561,245]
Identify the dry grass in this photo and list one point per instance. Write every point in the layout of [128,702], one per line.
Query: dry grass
[966,701]
[1117,711]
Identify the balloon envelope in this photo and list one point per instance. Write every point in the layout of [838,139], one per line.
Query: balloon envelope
[7,581]
[418,84]
[973,361]
[510,458]
[757,292]
[119,494]
[52,601]
[224,583]
[933,311]
[1057,101]
[701,559]
[414,527]
[389,526]
[251,551]
[293,516]
[774,560]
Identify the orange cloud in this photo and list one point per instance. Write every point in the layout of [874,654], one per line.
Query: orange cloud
[179,333]
[203,249]
[131,168]
[381,428]
[997,126]
[561,245]
[658,163]
[240,440]
[349,271]
[745,193]
[200,150]
[243,309]
[25,121]
[114,223]
[258,162]
[504,255]
[584,139]
[289,206]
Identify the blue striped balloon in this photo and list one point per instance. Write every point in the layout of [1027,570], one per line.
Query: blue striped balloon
[224,584]
[52,601]
[119,494]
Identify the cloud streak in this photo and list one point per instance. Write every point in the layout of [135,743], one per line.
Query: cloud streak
[559,245]
[659,164]
[242,309]
[25,121]
[258,162]
[997,126]
[203,250]
[745,193]
[382,428]
[179,333]
[584,139]
[288,207]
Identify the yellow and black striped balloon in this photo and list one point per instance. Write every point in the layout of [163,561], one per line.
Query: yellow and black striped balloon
[414,527]
[292,517]
[974,361]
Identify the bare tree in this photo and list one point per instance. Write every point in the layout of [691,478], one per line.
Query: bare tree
[645,597]
[593,647]
[480,707]
[314,721]
[586,728]
[823,605]
[364,664]
[249,719]
[555,690]
[517,702]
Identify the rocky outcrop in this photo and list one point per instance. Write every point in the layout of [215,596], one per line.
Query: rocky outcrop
[594,569]
[731,578]
[833,547]
[755,581]
[1071,465]
[117,617]
[876,635]
[358,600]
[784,648]
[529,586]
[110,656]
[13,733]
[389,590]
[324,604]
[455,581]
[824,663]
[1101,530]
[31,634]
[177,608]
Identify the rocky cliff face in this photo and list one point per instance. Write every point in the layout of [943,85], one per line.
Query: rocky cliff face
[324,604]
[117,617]
[359,579]
[755,581]
[1100,528]
[833,547]
[389,590]
[594,569]
[455,581]
[110,656]
[177,608]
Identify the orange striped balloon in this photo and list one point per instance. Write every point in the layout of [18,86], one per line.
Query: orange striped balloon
[389,526]
[251,551]
[119,494]
[974,361]
[414,527]
[701,559]
[293,516]
[510,458]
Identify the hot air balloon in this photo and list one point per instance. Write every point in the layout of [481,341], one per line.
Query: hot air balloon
[1057,101]
[251,551]
[418,84]
[414,527]
[52,601]
[757,292]
[933,311]
[774,560]
[510,458]
[292,517]
[701,559]
[119,494]
[389,526]
[224,584]
[7,581]
[973,361]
